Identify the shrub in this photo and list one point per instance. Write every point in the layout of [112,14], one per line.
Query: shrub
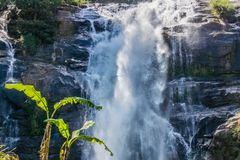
[222,8]
[29,43]
[36,20]
[76,2]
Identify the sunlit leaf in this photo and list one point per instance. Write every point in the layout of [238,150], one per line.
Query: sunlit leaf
[76,100]
[61,125]
[86,125]
[30,92]
[95,140]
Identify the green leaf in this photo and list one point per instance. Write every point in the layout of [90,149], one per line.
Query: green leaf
[62,126]
[30,92]
[76,100]
[95,140]
[86,125]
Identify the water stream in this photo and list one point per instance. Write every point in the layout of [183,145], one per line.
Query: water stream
[6,39]
[128,75]
[10,128]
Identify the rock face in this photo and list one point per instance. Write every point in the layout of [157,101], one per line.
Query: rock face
[56,71]
[203,88]
[225,144]
[204,80]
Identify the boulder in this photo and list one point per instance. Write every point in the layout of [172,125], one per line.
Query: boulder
[226,140]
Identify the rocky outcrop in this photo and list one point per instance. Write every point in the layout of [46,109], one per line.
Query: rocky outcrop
[203,87]
[56,71]
[55,83]
[226,142]
[204,79]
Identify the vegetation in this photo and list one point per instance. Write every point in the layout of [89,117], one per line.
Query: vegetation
[7,155]
[222,8]
[76,2]
[76,135]
[41,103]
[35,22]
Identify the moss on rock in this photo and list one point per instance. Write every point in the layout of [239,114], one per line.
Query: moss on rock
[226,141]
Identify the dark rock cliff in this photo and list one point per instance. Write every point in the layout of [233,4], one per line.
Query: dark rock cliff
[53,70]
[204,78]
[203,88]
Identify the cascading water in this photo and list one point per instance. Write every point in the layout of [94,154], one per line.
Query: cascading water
[128,75]
[10,127]
[6,39]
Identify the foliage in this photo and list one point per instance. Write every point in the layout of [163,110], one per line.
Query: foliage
[30,92]
[76,135]
[30,43]
[36,24]
[76,100]
[76,2]
[7,155]
[41,103]
[222,8]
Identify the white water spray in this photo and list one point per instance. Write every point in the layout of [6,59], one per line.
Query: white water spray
[6,39]
[128,75]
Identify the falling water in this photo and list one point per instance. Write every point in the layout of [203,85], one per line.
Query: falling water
[10,128]
[128,75]
[6,39]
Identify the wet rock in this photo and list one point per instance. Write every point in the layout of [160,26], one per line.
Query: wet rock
[3,45]
[84,25]
[73,56]
[100,26]
[226,140]
[3,49]
[77,65]
[198,19]
[84,41]
[55,83]
[76,52]
[3,70]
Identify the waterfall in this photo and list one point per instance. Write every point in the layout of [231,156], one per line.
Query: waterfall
[127,74]
[6,39]
[10,130]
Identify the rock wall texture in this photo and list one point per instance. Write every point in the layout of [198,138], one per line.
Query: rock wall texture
[204,80]
[203,89]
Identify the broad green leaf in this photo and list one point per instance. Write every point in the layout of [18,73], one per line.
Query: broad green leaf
[61,125]
[95,140]
[30,92]
[76,100]
[86,125]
